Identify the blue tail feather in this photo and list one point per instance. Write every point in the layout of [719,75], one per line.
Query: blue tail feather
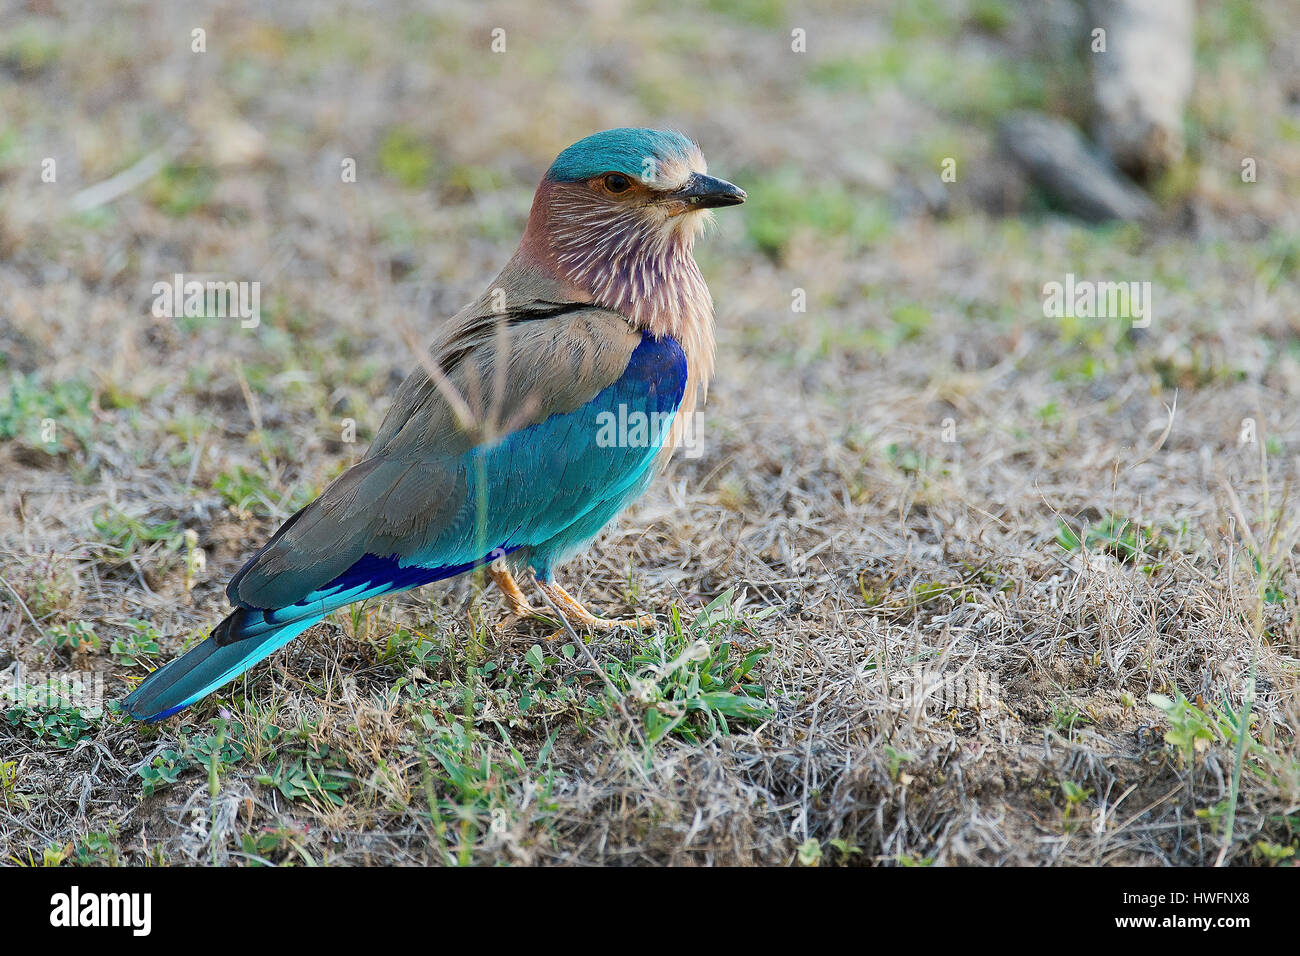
[248,635]
[204,669]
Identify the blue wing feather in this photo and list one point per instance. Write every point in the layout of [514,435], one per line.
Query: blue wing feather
[539,482]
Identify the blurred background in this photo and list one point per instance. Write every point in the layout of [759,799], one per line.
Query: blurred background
[899,442]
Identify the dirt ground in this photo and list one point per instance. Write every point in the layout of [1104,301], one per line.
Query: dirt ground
[951,581]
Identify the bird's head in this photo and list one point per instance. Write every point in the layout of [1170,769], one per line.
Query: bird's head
[616,216]
[649,174]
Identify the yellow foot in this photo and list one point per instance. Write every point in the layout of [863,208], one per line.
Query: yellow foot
[577,614]
[519,606]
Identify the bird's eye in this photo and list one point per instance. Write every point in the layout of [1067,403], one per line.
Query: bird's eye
[617,183]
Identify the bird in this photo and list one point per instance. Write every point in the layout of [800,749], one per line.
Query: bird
[496,450]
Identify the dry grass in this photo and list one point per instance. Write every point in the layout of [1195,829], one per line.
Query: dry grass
[949,683]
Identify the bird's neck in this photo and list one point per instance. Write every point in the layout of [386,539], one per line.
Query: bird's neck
[642,269]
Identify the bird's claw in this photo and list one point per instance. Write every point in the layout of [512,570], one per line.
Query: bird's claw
[641,623]
[565,603]
[515,598]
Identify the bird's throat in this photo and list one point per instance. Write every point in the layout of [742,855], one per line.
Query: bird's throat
[635,264]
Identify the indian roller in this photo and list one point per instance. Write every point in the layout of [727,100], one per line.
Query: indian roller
[491,453]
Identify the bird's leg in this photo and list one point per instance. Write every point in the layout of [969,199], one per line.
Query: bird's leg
[570,607]
[519,606]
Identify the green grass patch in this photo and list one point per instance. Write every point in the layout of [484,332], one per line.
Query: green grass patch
[122,536]
[31,411]
[182,189]
[1125,539]
[785,202]
[31,45]
[405,157]
[137,646]
[693,681]
[48,711]
[964,85]
[471,784]
[249,491]
[768,14]
[74,636]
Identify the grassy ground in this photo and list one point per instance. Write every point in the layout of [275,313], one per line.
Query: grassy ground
[952,582]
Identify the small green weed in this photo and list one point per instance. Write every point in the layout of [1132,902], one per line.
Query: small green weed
[693,681]
[137,645]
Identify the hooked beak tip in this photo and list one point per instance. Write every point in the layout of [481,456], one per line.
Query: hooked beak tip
[706,192]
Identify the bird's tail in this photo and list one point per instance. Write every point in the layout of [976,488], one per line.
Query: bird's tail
[236,644]
[249,634]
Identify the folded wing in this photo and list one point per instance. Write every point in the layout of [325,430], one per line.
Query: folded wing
[434,497]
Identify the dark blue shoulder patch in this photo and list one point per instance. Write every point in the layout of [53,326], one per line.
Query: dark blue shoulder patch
[659,367]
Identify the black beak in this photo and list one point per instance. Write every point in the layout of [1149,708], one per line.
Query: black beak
[705,192]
